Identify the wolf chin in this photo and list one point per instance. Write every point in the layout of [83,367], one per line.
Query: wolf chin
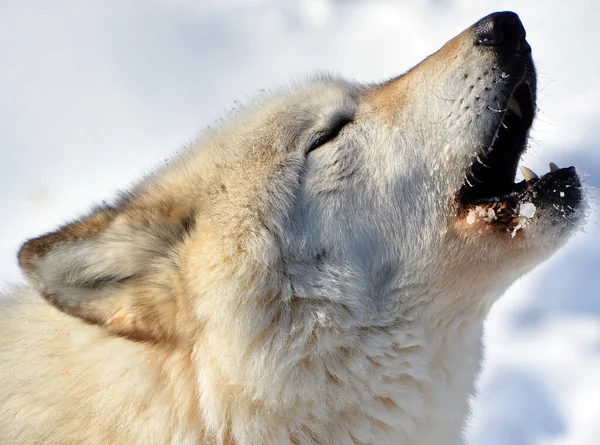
[315,271]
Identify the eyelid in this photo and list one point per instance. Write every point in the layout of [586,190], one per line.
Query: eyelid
[329,134]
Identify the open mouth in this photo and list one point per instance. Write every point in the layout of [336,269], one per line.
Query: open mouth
[490,193]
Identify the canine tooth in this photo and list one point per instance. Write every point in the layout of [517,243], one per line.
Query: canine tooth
[553,167]
[514,106]
[528,174]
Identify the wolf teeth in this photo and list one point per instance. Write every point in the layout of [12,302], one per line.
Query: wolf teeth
[553,167]
[514,106]
[528,174]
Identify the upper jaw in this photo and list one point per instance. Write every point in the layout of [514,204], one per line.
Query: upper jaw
[504,135]
[489,193]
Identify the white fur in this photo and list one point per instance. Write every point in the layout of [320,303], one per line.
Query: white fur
[333,298]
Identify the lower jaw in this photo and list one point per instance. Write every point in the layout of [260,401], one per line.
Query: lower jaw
[558,193]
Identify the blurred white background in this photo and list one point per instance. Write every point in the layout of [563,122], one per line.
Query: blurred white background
[94,94]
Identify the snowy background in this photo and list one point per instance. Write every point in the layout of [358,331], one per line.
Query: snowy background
[94,94]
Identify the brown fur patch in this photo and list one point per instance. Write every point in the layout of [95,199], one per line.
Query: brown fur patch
[40,246]
[390,98]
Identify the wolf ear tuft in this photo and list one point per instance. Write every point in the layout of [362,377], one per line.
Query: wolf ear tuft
[116,268]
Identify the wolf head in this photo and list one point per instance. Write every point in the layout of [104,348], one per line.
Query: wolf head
[331,207]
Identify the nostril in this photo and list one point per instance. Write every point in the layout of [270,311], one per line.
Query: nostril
[501,29]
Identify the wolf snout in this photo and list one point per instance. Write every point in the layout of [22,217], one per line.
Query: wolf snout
[502,30]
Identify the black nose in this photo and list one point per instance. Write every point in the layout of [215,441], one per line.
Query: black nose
[503,30]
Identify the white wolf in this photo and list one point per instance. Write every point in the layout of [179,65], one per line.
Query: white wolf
[316,271]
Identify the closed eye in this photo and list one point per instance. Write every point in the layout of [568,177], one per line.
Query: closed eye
[328,134]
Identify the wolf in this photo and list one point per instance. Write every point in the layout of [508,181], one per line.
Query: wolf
[317,270]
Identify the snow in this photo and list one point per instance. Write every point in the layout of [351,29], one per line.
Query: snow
[527,209]
[521,222]
[98,93]
[486,214]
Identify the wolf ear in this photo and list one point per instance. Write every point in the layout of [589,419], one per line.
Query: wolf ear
[116,267]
